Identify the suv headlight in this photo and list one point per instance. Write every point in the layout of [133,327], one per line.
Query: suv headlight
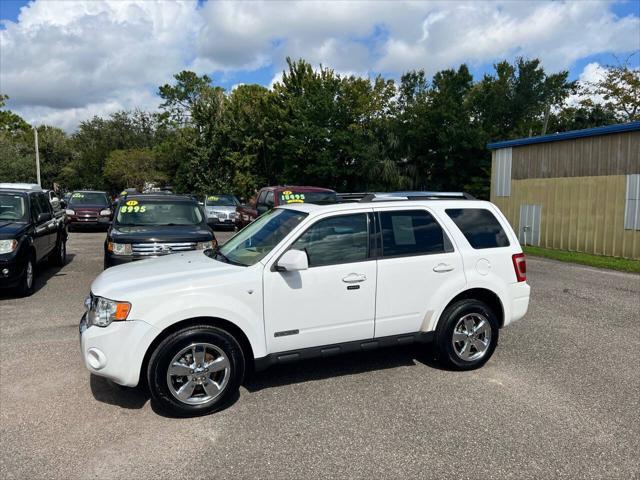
[102,311]
[68,211]
[206,245]
[119,248]
[8,246]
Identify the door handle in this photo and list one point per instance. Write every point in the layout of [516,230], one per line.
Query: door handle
[443,267]
[354,278]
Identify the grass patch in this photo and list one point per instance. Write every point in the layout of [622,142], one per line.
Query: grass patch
[600,261]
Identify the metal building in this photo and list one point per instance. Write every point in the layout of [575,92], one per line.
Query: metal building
[577,190]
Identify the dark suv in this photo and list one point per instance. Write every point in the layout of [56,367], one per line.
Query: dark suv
[29,234]
[151,225]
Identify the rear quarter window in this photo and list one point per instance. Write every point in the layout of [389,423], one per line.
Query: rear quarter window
[480,227]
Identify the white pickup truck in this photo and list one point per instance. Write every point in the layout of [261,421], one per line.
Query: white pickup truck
[306,281]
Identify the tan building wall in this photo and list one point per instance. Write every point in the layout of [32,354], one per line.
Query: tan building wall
[584,214]
[614,154]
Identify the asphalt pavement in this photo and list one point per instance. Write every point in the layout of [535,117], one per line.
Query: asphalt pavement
[559,399]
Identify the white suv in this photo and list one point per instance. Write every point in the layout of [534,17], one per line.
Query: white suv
[307,281]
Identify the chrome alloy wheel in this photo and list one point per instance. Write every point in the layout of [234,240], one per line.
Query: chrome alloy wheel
[471,337]
[198,374]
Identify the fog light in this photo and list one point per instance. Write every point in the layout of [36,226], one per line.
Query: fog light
[96,359]
[5,271]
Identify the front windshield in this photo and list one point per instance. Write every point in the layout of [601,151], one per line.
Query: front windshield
[157,212]
[255,241]
[221,201]
[13,207]
[89,198]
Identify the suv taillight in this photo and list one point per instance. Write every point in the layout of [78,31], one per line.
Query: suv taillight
[520,266]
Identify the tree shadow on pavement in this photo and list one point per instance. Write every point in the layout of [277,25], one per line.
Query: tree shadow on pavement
[108,392]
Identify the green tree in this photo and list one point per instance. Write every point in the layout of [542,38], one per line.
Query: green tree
[513,102]
[619,89]
[132,168]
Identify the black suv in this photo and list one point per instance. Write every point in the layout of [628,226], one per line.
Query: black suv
[29,234]
[151,225]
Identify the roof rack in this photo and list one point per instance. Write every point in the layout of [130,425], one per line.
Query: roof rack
[395,196]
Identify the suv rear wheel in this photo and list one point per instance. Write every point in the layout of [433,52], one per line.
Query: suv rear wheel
[195,371]
[467,334]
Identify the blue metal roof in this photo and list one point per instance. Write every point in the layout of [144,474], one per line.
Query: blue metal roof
[556,137]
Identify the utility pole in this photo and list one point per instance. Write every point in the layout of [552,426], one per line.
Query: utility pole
[35,134]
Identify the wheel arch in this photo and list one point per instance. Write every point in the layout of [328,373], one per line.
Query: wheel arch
[489,297]
[221,323]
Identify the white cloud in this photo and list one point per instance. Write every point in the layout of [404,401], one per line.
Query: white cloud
[66,60]
[63,61]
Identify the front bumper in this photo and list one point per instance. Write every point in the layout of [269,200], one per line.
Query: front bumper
[117,351]
[15,268]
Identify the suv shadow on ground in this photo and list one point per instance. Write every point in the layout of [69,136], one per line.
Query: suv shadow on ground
[135,398]
[43,273]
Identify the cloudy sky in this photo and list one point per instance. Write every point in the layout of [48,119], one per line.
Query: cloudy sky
[64,61]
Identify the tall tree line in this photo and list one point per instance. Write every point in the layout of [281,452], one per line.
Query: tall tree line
[320,128]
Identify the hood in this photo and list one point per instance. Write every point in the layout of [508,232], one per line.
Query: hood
[10,229]
[156,275]
[160,233]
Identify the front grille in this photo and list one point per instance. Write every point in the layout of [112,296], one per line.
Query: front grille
[86,216]
[144,249]
[224,215]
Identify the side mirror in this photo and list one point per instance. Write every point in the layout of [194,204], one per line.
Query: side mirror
[63,204]
[44,217]
[293,261]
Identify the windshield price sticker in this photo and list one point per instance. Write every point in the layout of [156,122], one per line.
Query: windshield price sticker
[289,197]
[213,198]
[77,195]
[133,208]
[132,203]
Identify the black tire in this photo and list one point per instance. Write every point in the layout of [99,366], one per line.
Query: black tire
[58,257]
[171,346]
[447,351]
[25,289]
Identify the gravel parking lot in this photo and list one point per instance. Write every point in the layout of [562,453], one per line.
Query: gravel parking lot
[559,399]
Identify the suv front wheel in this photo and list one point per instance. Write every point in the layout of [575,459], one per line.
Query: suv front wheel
[195,371]
[467,334]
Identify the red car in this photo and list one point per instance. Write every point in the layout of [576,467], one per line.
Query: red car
[88,208]
[270,197]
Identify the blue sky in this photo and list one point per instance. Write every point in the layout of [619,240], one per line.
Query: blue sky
[65,61]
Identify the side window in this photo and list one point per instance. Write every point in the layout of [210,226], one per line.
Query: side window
[412,232]
[260,200]
[479,226]
[36,206]
[269,199]
[44,203]
[334,240]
